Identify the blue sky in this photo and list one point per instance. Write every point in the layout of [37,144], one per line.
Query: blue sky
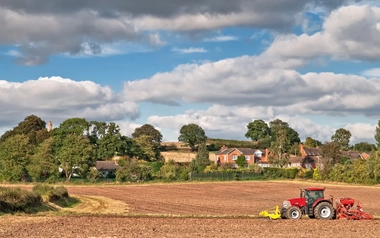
[219,64]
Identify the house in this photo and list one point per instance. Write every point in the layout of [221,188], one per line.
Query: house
[295,161]
[253,156]
[312,157]
[365,155]
[107,168]
[352,155]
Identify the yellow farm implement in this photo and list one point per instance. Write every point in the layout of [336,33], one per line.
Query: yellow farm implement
[273,215]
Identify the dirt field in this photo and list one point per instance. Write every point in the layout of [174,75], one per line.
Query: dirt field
[227,209]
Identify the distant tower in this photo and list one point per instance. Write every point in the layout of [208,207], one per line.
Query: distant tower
[50,126]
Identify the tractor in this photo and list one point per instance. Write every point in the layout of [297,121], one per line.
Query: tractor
[311,202]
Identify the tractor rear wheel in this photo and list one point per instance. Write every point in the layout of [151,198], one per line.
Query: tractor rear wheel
[294,213]
[324,211]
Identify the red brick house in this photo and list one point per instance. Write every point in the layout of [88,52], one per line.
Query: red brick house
[253,156]
[312,157]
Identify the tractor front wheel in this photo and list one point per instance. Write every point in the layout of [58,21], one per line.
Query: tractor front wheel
[324,211]
[294,213]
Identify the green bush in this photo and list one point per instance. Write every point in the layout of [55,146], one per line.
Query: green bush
[51,193]
[156,166]
[270,172]
[241,161]
[42,189]
[94,174]
[317,174]
[18,200]
[57,193]
[306,173]
[291,173]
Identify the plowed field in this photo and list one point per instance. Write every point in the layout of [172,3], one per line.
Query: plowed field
[227,209]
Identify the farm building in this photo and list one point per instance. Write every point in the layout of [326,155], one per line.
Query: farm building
[107,168]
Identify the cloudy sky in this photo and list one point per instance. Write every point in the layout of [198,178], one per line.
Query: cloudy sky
[217,63]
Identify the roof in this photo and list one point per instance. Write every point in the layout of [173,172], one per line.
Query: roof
[310,159]
[351,154]
[244,151]
[365,155]
[296,159]
[106,165]
[313,151]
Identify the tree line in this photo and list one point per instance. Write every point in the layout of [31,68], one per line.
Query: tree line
[30,151]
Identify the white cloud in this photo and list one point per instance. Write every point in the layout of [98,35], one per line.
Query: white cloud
[155,39]
[374,72]
[350,32]
[221,38]
[13,53]
[127,128]
[361,132]
[230,122]
[189,50]
[57,98]
[252,81]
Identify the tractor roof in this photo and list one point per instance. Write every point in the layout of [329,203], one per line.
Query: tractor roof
[315,189]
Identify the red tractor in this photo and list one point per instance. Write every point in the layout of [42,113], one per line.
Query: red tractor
[311,202]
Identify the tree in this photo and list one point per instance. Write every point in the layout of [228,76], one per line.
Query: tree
[295,149]
[257,130]
[363,146]
[331,152]
[342,138]
[146,149]
[71,126]
[373,166]
[32,126]
[42,163]
[192,135]
[331,156]
[241,161]
[108,141]
[75,155]
[311,143]
[377,135]
[277,126]
[132,170]
[15,153]
[148,130]
[147,140]
[202,159]
[279,147]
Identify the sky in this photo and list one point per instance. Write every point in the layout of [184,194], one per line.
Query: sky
[217,63]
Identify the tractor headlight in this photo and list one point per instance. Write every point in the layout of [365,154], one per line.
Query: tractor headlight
[286,204]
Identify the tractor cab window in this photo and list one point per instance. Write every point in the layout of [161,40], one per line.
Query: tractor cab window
[312,196]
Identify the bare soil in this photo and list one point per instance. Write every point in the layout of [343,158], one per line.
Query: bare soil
[215,209]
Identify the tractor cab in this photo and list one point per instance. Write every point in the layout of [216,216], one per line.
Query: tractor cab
[312,194]
[312,202]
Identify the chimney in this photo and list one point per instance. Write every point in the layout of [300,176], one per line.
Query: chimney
[224,147]
[50,126]
[302,150]
[266,154]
